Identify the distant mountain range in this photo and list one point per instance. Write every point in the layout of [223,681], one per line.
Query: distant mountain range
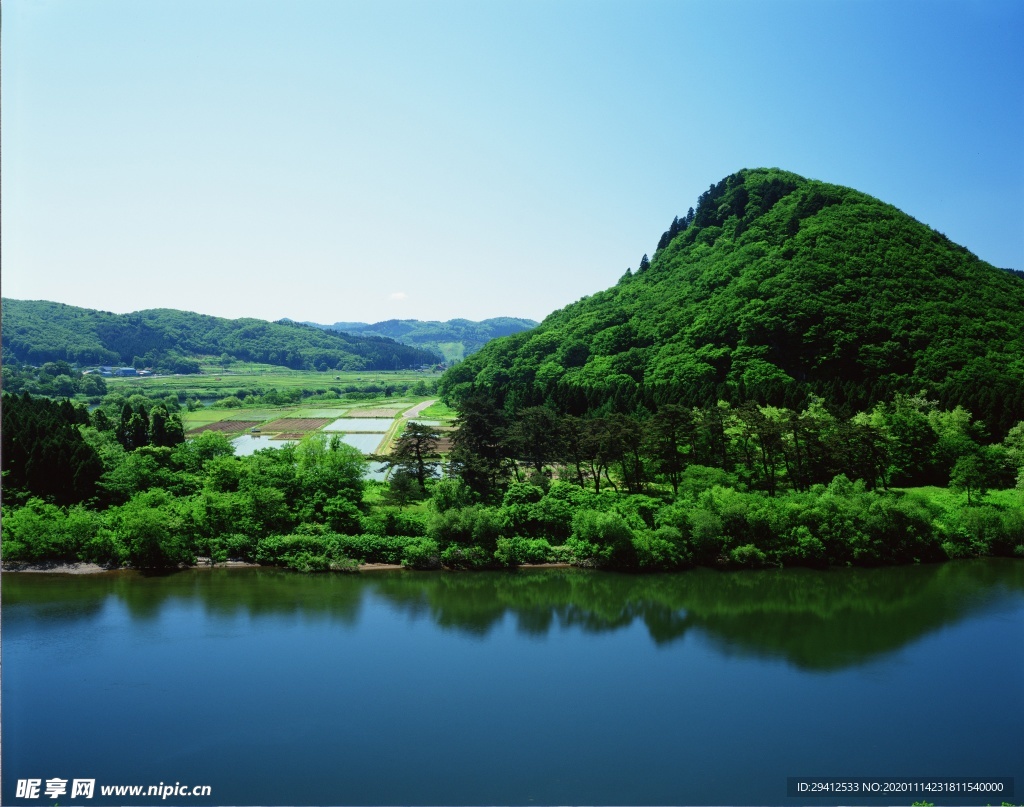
[38,331]
[454,339]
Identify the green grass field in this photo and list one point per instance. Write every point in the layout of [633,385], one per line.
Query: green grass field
[208,415]
[215,382]
[438,411]
[949,500]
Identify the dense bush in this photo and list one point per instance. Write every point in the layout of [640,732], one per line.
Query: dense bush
[421,553]
[305,553]
[303,507]
[519,550]
[371,548]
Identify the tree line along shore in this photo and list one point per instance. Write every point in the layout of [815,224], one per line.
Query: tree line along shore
[724,487]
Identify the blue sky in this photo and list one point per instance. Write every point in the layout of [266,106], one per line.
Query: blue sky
[337,160]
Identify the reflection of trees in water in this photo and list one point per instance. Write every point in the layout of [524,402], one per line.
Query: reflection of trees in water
[251,592]
[813,619]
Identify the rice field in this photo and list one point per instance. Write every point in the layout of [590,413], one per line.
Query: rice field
[247,444]
[370,426]
[320,413]
[252,414]
[216,382]
[225,427]
[367,443]
[296,424]
[379,425]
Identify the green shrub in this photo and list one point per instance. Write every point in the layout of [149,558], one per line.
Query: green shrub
[516,551]
[585,553]
[706,539]
[369,548]
[305,553]
[698,478]
[748,556]
[421,553]
[458,556]
[36,532]
[477,524]
[240,545]
[392,522]
[610,532]
[802,548]
[660,549]
[448,494]
[522,493]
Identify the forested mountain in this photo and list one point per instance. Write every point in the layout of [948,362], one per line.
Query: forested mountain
[775,288]
[38,331]
[454,339]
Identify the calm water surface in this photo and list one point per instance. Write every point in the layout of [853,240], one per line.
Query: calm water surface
[360,425]
[536,687]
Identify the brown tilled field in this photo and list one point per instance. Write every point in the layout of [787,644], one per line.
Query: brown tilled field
[444,445]
[300,425]
[289,436]
[225,426]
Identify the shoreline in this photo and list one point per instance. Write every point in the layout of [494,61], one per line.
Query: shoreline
[81,567]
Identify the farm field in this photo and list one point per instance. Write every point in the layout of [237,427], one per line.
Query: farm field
[377,413]
[249,414]
[367,425]
[302,425]
[438,410]
[366,442]
[224,427]
[215,382]
[351,424]
[247,445]
[191,420]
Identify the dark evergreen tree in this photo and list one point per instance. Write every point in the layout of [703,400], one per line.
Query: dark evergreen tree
[414,455]
[535,437]
[669,442]
[478,450]
[44,454]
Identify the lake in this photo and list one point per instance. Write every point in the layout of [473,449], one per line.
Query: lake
[532,687]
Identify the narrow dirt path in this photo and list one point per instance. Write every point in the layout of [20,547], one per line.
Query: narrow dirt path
[411,413]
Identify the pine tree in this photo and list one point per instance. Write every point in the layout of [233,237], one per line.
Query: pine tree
[415,452]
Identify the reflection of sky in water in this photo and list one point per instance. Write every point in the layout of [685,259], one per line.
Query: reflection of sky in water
[376,471]
[360,425]
[367,443]
[901,669]
[248,444]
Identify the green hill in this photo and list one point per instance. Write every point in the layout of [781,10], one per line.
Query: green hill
[777,287]
[37,331]
[454,339]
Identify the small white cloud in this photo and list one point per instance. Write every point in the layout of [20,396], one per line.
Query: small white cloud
[398,295]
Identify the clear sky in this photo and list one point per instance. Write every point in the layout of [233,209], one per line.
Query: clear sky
[327,160]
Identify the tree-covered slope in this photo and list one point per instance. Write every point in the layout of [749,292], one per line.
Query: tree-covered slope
[38,331]
[454,339]
[774,288]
